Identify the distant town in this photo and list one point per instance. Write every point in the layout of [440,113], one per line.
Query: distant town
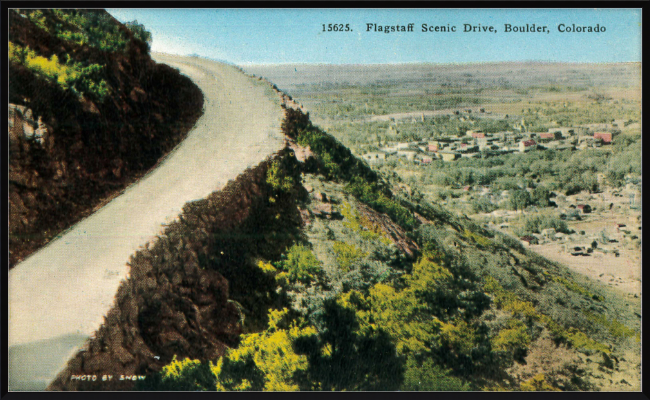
[477,143]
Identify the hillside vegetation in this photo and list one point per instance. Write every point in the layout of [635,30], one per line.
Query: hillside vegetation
[337,283]
[106,112]
[495,161]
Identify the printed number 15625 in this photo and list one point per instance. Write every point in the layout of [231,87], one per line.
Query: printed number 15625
[336,28]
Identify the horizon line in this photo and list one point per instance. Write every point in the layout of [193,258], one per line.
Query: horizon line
[250,63]
[435,63]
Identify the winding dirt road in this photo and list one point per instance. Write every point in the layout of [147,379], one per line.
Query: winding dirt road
[58,296]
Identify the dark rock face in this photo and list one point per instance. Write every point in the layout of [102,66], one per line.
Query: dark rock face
[153,321]
[94,148]
[176,301]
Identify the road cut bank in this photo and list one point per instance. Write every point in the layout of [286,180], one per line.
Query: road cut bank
[59,296]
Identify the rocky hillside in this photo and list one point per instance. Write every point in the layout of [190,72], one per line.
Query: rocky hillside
[90,111]
[312,272]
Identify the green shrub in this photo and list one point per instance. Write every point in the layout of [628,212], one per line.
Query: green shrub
[615,327]
[139,32]
[575,180]
[574,287]
[479,239]
[537,223]
[540,196]
[181,375]
[69,76]
[95,28]
[459,337]
[581,341]
[278,178]
[262,361]
[508,301]
[300,265]
[347,255]
[519,199]
[514,338]
[266,360]
[367,229]
[483,205]
[538,383]
[407,315]
[428,376]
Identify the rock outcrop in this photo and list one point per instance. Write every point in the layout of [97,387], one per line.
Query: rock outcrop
[82,150]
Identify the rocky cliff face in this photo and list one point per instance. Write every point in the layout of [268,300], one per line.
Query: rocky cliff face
[94,146]
[188,291]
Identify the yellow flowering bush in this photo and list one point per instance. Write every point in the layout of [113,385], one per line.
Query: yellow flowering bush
[68,75]
[347,254]
[267,356]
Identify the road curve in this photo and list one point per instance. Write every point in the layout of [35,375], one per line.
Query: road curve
[59,295]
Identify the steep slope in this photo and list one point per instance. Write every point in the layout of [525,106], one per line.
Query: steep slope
[340,283]
[534,302]
[106,113]
[68,287]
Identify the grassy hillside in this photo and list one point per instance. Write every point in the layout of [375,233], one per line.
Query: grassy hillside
[109,113]
[337,283]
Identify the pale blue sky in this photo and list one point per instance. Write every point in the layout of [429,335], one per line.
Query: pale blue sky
[257,36]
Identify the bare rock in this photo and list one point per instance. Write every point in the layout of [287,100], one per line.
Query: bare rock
[323,210]
[320,196]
